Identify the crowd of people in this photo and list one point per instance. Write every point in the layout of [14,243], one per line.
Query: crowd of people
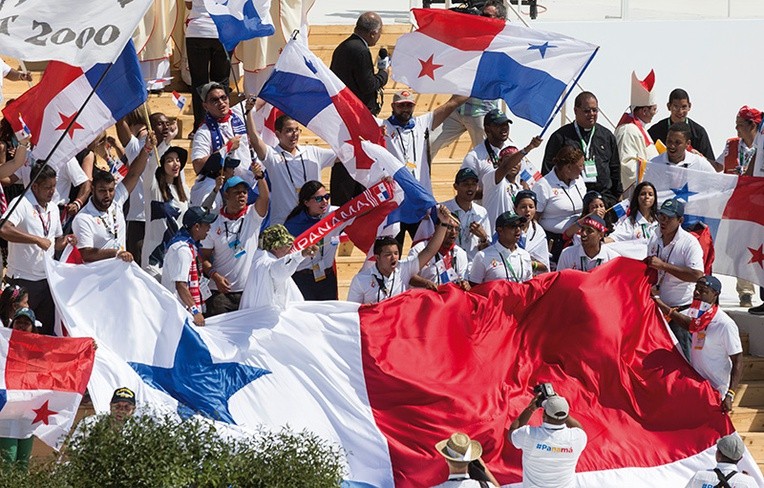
[225,243]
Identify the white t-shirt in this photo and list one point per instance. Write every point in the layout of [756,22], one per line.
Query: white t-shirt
[459,481]
[708,479]
[536,243]
[365,286]
[758,162]
[550,454]
[558,203]
[409,146]
[233,243]
[201,147]
[27,261]
[201,190]
[68,174]
[639,230]
[711,350]
[177,266]
[200,24]
[498,197]
[496,262]
[432,270]
[574,257]
[466,239]
[289,172]
[479,161]
[683,250]
[270,283]
[4,70]
[691,161]
[102,230]
[136,212]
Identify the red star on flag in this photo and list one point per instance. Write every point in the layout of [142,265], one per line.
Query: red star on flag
[757,256]
[42,413]
[428,67]
[66,120]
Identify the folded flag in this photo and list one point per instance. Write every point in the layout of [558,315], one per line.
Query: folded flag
[50,107]
[487,58]
[42,380]
[530,176]
[158,83]
[179,100]
[239,20]
[302,87]
[388,381]
[621,209]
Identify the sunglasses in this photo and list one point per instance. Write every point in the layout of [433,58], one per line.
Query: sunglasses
[321,198]
[221,98]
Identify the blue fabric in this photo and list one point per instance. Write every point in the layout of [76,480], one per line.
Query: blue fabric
[416,201]
[397,123]
[231,30]
[300,223]
[122,88]
[530,93]
[163,210]
[299,96]
[183,236]
[217,138]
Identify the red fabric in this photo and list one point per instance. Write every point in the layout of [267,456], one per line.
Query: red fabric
[649,82]
[193,278]
[730,159]
[703,233]
[436,363]
[360,124]
[747,200]
[630,119]
[464,32]
[39,362]
[750,113]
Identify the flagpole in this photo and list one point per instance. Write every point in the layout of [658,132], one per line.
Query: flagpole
[55,146]
[567,94]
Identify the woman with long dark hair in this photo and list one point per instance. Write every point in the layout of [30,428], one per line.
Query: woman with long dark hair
[164,208]
[642,220]
[315,277]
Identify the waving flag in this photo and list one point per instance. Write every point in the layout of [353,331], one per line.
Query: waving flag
[179,100]
[621,209]
[487,58]
[50,106]
[303,87]
[389,380]
[24,132]
[731,206]
[265,121]
[42,380]
[239,20]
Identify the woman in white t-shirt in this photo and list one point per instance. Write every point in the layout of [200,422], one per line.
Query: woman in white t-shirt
[642,221]
[533,238]
[164,208]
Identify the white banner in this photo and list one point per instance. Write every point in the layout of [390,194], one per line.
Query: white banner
[76,32]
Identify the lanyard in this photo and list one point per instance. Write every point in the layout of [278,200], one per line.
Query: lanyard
[465,236]
[586,146]
[405,146]
[492,157]
[45,223]
[661,247]
[381,285]
[509,269]
[111,228]
[235,233]
[597,262]
[744,159]
[289,172]
[570,198]
[453,264]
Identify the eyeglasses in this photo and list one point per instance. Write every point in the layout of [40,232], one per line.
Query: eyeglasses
[590,110]
[221,98]
[293,130]
[321,198]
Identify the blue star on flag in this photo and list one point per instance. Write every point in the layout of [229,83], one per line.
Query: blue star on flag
[195,381]
[683,193]
[541,47]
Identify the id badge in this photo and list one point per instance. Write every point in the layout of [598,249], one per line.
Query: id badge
[318,272]
[700,341]
[240,253]
[590,171]
[204,288]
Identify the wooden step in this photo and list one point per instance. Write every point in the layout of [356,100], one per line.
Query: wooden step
[750,394]
[753,368]
[745,342]
[747,419]
[754,441]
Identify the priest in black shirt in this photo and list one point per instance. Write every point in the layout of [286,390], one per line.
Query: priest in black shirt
[602,166]
[679,105]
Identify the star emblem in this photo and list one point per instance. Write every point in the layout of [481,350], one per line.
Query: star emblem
[428,67]
[541,48]
[757,256]
[65,121]
[198,384]
[310,65]
[683,193]
[41,414]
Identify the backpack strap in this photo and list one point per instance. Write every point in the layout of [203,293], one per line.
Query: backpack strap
[723,480]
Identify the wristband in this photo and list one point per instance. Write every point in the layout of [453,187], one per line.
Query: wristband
[534,265]
[148,149]
[730,393]
[442,224]
[77,203]
[523,152]
[194,310]
[262,175]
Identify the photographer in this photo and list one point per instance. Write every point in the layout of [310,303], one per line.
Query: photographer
[465,468]
[551,451]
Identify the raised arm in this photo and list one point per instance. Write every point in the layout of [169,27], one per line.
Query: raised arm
[440,114]
[437,239]
[260,147]
[137,166]
[505,165]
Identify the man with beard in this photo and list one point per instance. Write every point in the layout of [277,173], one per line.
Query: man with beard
[485,156]
[100,226]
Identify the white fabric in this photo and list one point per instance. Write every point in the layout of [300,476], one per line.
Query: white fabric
[4,70]
[631,144]
[683,250]
[758,162]
[408,145]
[640,230]
[155,229]
[742,148]
[136,212]
[709,479]
[460,263]
[711,350]
[223,232]
[559,204]
[466,239]
[200,24]
[550,454]
[496,262]
[498,197]
[364,288]
[574,257]
[201,147]
[201,190]
[536,243]
[102,230]
[68,174]
[327,247]
[177,266]
[289,172]
[640,96]
[25,261]
[459,481]
[270,283]
[477,159]
[690,161]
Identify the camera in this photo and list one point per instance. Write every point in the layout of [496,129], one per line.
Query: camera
[543,391]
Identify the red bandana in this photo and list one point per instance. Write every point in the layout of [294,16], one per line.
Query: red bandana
[701,314]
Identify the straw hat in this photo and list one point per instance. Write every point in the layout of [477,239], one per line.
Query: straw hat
[459,448]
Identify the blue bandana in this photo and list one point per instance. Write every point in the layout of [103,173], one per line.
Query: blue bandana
[408,125]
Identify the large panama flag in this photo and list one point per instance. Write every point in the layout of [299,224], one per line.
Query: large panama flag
[390,380]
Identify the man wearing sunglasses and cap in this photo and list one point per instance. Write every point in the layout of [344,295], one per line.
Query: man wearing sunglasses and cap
[716,352]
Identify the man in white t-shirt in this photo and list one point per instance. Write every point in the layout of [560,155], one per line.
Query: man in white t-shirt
[677,143]
[12,75]
[475,227]
[390,275]
[229,247]
[485,156]
[33,231]
[289,165]
[182,270]
[550,451]
[505,259]
[729,451]
[678,257]
[100,226]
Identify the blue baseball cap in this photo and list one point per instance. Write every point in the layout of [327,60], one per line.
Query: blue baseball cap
[198,215]
[236,181]
[712,282]
[672,208]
